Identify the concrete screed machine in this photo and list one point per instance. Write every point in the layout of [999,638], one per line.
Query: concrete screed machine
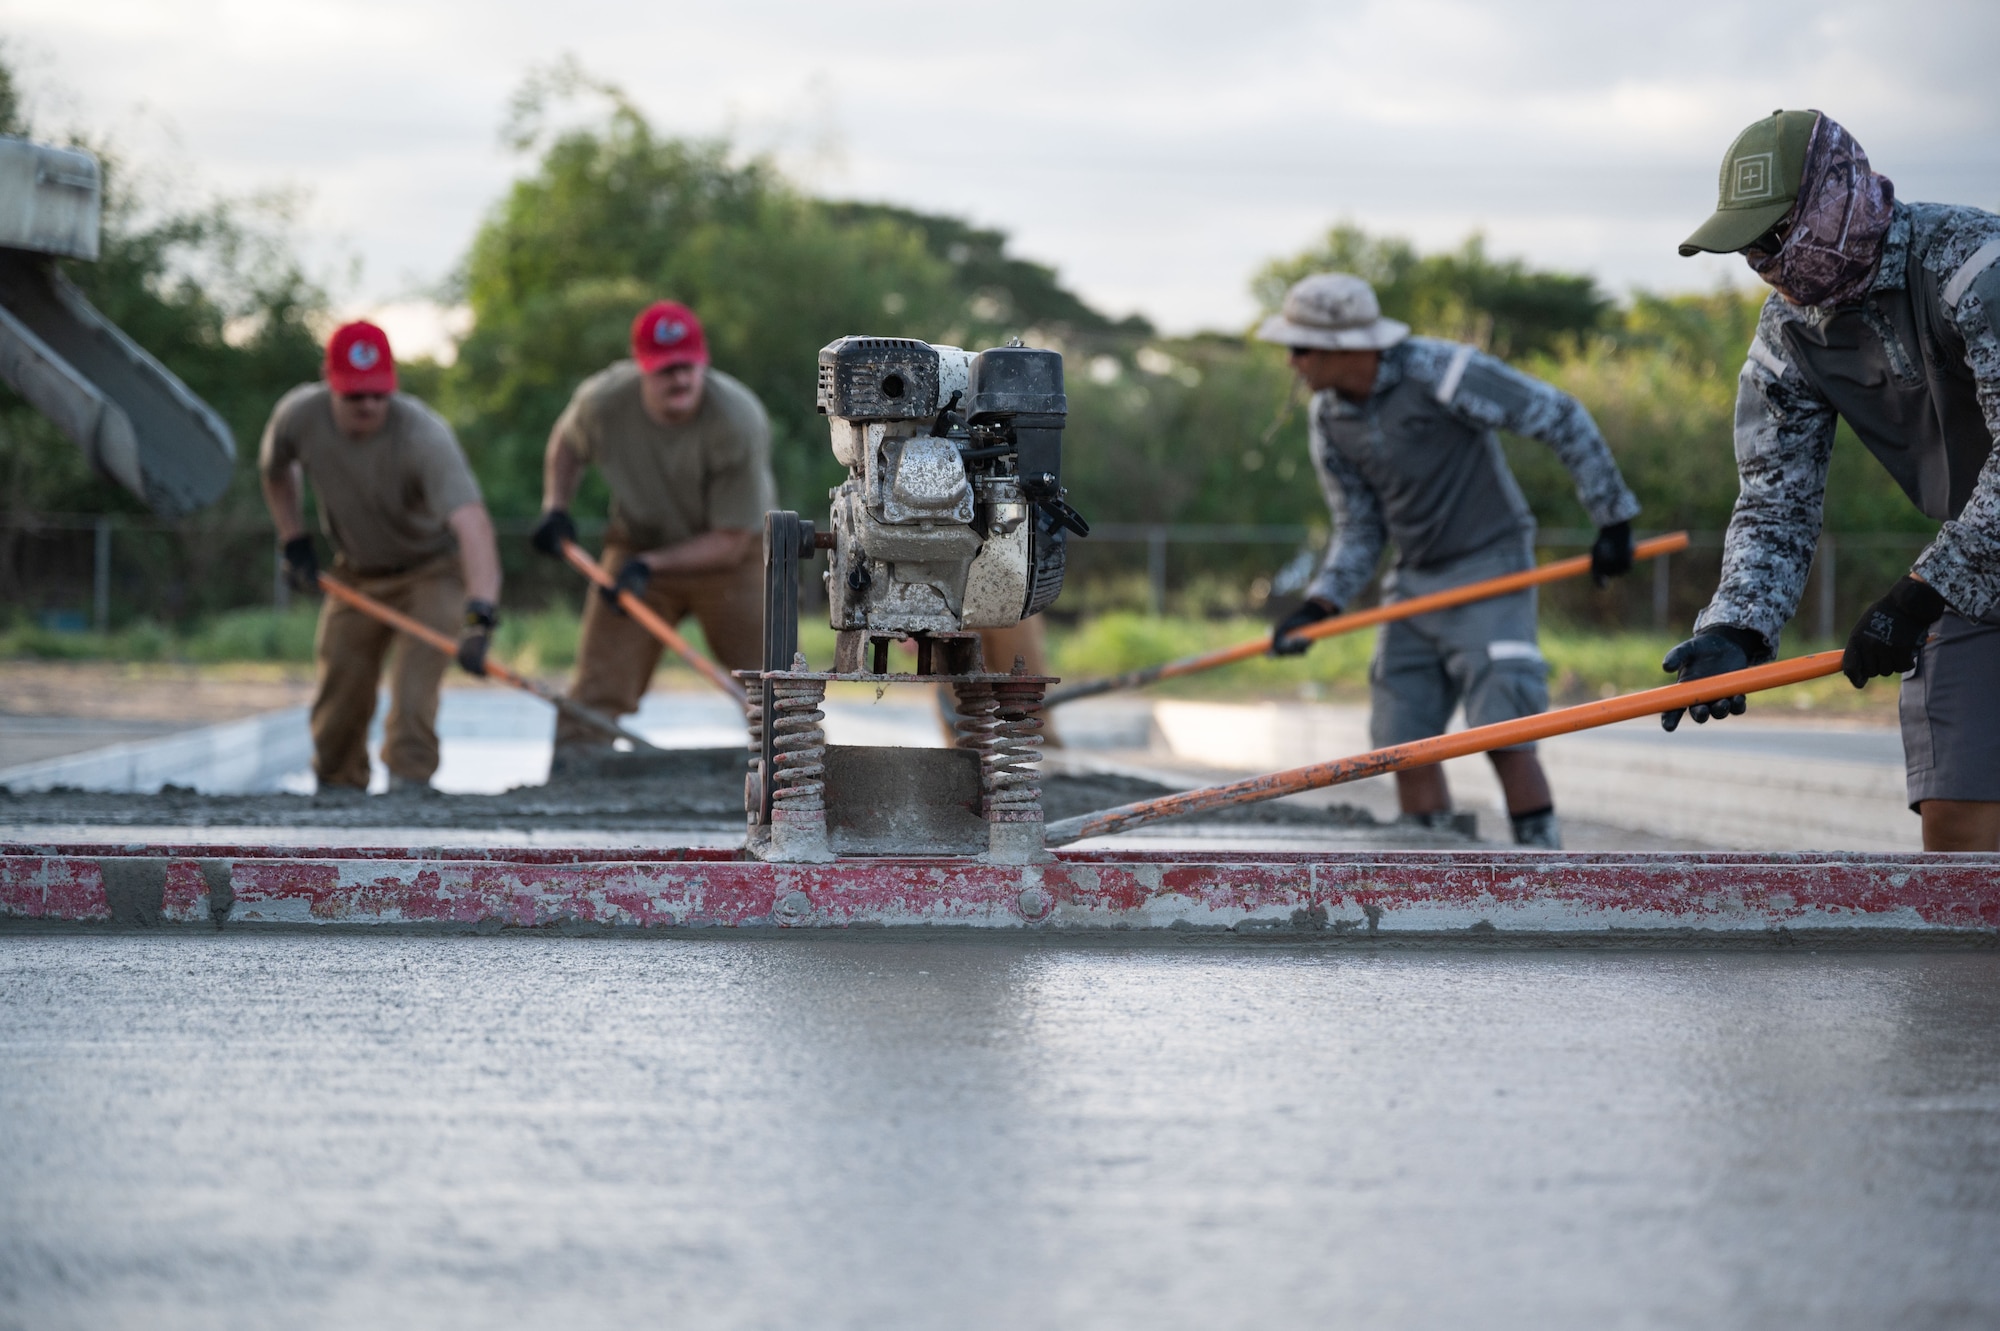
[952,519]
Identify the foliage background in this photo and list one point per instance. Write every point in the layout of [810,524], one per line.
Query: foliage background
[609,213]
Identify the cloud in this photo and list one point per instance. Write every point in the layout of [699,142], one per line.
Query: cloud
[1155,153]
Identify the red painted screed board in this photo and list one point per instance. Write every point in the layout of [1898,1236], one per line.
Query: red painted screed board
[1356,892]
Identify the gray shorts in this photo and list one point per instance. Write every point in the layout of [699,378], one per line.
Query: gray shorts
[1951,725]
[1484,655]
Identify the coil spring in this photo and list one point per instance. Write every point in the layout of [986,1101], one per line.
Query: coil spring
[975,722]
[798,745]
[1014,778]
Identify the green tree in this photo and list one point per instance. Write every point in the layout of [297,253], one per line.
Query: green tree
[1500,305]
[1005,293]
[614,215]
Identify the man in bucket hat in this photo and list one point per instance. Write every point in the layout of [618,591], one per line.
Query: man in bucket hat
[1405,435]
[686,450]
[408,527]
[1886,315]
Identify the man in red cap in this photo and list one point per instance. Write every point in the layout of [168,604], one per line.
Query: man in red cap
[403,512]
[686,452]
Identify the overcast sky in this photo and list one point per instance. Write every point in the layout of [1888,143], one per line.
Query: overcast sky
[1154,153]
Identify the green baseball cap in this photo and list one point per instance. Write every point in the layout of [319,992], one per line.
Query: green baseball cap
[1759,183]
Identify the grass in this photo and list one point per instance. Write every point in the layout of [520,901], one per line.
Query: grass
[1583,665]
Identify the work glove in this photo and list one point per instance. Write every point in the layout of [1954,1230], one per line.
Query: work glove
[632,578]
[1310,611]
[481,618]
[1716,650]
[550,533]
[1611,553]
[1885,642]
[301,564]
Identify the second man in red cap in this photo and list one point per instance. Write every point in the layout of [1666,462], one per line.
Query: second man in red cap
[686,452]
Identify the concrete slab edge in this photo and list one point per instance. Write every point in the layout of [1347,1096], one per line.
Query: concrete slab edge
[250,755]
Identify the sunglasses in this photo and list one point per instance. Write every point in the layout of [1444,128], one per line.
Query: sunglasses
[1296,352]
[1773,240]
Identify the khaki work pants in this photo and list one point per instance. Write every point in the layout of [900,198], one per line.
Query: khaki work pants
[1027,640]
[350,647]
[616,657]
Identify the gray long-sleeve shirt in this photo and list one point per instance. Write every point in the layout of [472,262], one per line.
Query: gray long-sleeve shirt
[1419,463]
[1785,429]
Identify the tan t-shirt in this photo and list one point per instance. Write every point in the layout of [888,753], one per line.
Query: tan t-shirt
[671,483]
[383,500]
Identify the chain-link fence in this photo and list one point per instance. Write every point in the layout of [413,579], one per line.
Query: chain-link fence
[1258,570]
[78,571]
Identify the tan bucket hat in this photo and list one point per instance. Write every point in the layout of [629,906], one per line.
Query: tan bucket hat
[1335,312]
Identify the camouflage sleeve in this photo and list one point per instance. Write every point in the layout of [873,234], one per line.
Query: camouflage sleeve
[1784,440]
[1489,392]
[1963,563]
[1359,532]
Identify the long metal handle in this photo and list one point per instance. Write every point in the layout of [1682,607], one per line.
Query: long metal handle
[1424,752]
[1485,589]
[429,636]
[651,622]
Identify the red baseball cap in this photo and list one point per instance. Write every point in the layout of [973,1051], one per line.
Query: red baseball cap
[358,360]
[667,333]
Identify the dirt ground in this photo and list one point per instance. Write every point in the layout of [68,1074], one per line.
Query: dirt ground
[195,695]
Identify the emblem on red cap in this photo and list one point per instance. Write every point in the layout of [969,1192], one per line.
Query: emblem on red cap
[358,360]
[668,333]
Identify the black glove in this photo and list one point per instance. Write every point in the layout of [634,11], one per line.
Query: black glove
[1611,553]
[632,578]
[1716,650]
[301,564]
[481,617]
[1309,612]
[1885,642]
[550,533]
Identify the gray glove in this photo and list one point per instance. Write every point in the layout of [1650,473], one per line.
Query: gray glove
[481,618]
[1308,612]
[1716,650]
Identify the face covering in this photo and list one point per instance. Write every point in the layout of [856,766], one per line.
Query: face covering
[1838,225]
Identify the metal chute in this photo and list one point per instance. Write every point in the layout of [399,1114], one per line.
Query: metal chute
[139,425]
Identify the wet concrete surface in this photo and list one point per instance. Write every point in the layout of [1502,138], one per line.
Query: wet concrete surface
[231,1131]
[682,789]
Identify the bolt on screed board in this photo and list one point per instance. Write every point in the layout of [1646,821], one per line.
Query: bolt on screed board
[952,519]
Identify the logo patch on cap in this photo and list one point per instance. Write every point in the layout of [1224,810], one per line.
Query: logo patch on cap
[1752,180]
[666,332]
[363,356]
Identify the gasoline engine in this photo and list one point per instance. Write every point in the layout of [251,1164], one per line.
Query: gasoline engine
[952,515]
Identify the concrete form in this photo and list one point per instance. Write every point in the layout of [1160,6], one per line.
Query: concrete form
[1360,894]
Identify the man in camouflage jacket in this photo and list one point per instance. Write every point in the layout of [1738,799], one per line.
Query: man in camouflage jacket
[1405,435]
[1885,314]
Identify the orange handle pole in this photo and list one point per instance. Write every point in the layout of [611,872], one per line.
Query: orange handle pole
[1424,752]
[429,636]
[1485,589]
[652,623]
